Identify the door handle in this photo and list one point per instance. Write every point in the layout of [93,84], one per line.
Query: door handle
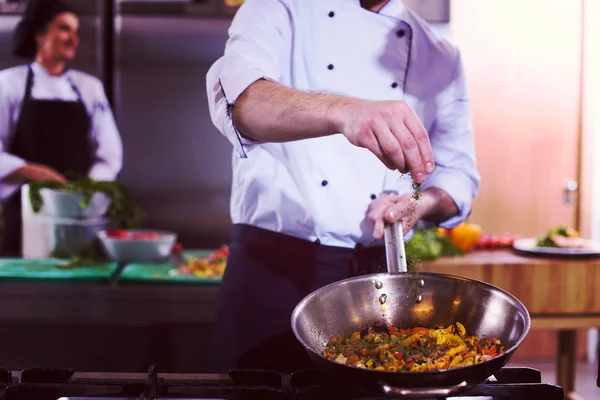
[571,188]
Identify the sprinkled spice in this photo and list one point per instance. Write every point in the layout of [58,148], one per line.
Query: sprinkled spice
[417,190]
[413,263]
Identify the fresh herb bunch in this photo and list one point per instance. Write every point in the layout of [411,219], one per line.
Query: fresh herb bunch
[123,210]
[427,245]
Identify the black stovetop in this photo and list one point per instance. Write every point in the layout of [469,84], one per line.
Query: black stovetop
[50,383]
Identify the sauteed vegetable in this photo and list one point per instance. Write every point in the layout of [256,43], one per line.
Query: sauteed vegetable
[413,350]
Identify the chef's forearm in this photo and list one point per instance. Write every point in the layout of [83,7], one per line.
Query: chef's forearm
[270,112]
[34,172]
[439,205]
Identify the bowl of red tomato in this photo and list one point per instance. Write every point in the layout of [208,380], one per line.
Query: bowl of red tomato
[137,245]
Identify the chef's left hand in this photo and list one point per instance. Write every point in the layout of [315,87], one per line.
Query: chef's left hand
[388,208]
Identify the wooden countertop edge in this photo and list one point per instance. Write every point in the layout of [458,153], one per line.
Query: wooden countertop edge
[505,257]
[565,322]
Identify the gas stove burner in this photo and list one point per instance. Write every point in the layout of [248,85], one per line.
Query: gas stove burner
[51,383]
[508,383]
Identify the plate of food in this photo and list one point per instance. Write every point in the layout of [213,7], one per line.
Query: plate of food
[559,241]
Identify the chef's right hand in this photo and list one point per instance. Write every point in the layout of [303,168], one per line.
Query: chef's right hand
[36,172]
[391,131]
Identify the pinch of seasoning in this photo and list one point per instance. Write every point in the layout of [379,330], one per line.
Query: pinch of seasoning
[417,190]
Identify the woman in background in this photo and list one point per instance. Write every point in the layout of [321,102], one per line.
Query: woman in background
[53,119]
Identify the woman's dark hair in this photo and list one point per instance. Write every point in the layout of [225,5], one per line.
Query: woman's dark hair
[38,14]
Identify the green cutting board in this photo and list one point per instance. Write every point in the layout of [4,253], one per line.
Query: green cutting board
[161,273]
[50,268]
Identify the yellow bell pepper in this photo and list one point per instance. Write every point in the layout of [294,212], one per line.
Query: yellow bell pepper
[461,329]
[456,360]
[456,350]
[465,236]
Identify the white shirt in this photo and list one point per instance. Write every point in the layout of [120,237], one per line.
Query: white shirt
[320,189]
[103,132]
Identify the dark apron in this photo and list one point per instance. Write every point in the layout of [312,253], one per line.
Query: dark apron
[53,133]
[267,274]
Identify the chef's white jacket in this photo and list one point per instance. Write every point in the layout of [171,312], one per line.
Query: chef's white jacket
[320,189]
[104,133]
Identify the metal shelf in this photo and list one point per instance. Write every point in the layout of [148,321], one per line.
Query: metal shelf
[87,7]
[189,9]
[11,8]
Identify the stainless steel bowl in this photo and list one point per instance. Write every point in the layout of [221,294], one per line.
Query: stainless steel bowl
[136,250]
[65,238]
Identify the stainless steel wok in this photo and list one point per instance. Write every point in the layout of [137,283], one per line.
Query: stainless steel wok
[408,300]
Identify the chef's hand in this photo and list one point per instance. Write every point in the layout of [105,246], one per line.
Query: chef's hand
[31,172]
[433,205]
[388,208]
[391,131]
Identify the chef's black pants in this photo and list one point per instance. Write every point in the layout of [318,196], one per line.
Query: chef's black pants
[267,274]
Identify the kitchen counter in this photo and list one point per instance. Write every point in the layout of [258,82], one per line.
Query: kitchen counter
[34,290]
[88,317]
[563,290]
[58,270]
[560,294]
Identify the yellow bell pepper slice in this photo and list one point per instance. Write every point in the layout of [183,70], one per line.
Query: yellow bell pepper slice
[461,329]
[456,350]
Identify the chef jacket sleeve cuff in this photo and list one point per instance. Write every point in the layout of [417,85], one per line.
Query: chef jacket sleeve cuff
[232,86]
[234,82]
[460,189]
[258,46]
[101,171]
[8,165]
[224,92]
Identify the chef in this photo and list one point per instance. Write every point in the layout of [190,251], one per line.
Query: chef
[52,119]
[335,109]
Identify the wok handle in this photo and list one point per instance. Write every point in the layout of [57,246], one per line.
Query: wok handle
[394,248]
[422,393]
